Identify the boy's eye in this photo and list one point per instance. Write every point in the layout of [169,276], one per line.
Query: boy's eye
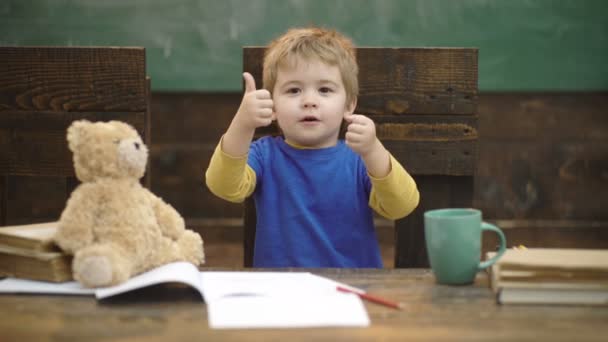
[325,90]
[293,90]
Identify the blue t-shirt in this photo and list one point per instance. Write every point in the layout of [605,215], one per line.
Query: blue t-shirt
[312,207]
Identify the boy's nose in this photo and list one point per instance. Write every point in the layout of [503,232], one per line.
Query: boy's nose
[309,101]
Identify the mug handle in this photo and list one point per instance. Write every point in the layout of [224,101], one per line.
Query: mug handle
[501,249]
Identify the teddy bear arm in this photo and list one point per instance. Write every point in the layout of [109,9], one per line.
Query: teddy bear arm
[75,225]
[170,221]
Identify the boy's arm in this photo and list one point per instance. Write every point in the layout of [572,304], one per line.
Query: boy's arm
[228,175]
[394,193]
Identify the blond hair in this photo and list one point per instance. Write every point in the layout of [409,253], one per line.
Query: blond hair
[328,46]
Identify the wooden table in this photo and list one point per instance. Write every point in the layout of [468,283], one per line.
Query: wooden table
[432,312]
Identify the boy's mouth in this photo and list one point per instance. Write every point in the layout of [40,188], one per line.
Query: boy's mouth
[309,118]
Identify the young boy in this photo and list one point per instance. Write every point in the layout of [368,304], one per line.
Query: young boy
[314,193]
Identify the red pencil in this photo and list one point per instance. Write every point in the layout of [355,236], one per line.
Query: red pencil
[371,298]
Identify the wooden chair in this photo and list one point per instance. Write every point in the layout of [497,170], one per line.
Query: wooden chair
[44,89]
[424,104]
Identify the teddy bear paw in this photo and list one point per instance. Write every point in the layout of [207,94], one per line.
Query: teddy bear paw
[94,271]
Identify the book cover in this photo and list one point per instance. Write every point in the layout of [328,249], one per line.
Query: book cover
[37,237]
[558,296]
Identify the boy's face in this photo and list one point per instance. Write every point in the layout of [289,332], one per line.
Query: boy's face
[310,103]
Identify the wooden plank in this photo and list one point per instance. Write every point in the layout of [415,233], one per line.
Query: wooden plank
[547,179]
[34,199]
[72,79]
[435,192]
[34,143]
[147,135]
[550,234]
[402,81]
[3,199]
[249,224]
[431,144]
[192,118]
[544,116]
[179,178]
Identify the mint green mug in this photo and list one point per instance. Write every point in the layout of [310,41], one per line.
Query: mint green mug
[453,244]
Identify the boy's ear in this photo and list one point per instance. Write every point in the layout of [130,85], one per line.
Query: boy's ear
[350,108]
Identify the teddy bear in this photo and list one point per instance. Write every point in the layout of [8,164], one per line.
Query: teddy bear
[113,226]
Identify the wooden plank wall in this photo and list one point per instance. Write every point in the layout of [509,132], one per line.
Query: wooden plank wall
[541,170]
[44,89]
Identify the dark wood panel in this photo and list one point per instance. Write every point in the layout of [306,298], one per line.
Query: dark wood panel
[549,179]
[192,117]
[34,143]
[543,116]
[179,178]
[435,192]
[406,80]
[34,199]
[549,234]
[72,79]
[3,198]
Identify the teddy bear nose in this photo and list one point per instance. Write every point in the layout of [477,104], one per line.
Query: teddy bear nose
[136,146]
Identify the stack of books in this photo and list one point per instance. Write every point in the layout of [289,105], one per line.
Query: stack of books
[551,276]
[28,251]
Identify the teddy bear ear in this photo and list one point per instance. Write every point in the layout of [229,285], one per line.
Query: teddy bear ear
[76,133]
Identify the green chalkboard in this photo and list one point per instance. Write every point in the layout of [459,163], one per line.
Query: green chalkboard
[524,45]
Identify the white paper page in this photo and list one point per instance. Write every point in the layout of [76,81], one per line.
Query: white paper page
[216,285]
[295,311]
[13,285]
[181,272]
[278,300]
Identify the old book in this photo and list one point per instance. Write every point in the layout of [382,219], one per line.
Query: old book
[551,276]
[23,263]
[36,237]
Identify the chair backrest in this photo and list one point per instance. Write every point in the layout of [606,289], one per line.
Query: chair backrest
[44,89]
[424,104]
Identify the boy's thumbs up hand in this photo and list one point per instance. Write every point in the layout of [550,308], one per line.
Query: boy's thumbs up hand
[256,107]
[249,82]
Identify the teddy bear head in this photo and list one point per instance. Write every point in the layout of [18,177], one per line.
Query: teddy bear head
[111,149]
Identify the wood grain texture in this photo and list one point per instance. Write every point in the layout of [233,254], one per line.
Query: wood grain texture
[42,91]
[34,143]
[402,81]
[179,178]
[435,192]
[72,79]
[192,118]
[431,313]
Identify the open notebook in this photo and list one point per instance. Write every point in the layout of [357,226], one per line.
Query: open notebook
[236,299]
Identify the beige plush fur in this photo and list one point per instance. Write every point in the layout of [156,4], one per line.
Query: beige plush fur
[114,227]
